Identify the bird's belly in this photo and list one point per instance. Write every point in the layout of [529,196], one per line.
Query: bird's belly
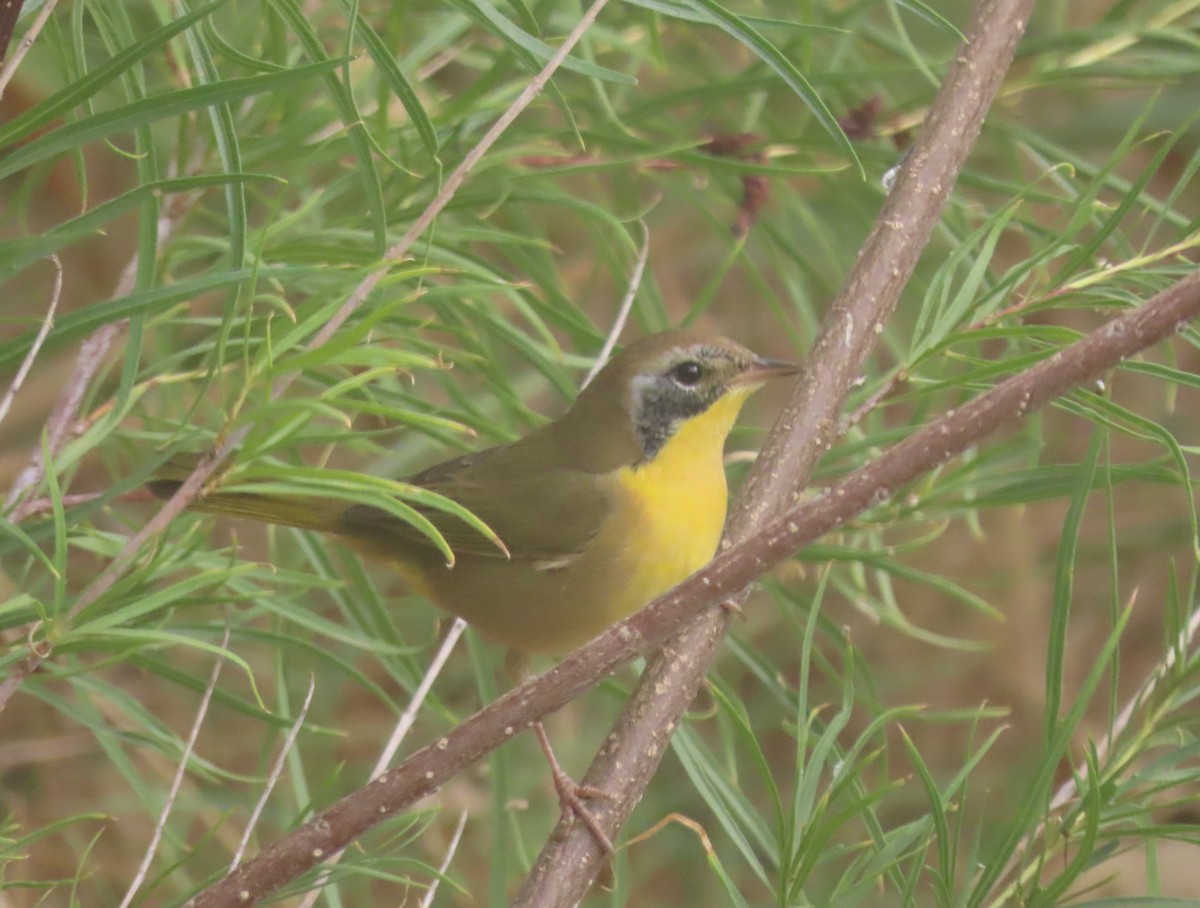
[526,608]
[672,525]
[656,534]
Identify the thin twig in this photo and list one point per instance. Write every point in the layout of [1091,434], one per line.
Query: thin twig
[409,716]
[635,281]
[93,352]
[92,355]
[33,506]
[427,899]
[732,570]
[276,771]
[9,69]
[47,323]
[899,377]
[1186,639]
[1070,788]
[140,876]
[403,725]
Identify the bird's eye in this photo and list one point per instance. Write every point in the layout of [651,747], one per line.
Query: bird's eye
[687,373]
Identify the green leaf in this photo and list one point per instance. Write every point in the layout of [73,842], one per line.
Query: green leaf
[484,12]
[768,53]
[155,108]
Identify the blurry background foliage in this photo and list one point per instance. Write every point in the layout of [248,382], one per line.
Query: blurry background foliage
[888,721]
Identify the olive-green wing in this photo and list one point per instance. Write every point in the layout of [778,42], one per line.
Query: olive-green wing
[540,515]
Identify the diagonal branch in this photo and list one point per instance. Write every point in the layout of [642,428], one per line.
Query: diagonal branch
[427,769]
[641,735]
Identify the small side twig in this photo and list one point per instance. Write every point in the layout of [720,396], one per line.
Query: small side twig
[94,350]
[92,354]
[427,899]
[618,326]
[33,506]
[403,725]
[47,323]
[861,412]
[276,771]
[184,759]
[9,12]
[1186,640]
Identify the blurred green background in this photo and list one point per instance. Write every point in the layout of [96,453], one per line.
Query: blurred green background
[889,722]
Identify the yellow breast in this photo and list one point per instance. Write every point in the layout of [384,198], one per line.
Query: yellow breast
[671,510]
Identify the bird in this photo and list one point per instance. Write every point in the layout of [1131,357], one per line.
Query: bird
[598,512]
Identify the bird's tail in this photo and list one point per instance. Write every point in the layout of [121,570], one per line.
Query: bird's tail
[304,511]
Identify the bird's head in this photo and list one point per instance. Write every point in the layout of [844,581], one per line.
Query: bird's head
[657,384]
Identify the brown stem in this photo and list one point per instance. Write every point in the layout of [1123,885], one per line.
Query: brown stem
[10,12]
[93,354]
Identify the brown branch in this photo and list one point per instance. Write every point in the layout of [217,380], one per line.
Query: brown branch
[423,772]
[870,292]
[569,861]
[10,12]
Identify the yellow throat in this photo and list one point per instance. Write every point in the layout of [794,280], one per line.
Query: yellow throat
[675,504]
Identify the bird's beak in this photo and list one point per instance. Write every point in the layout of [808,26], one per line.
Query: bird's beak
[762,370]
